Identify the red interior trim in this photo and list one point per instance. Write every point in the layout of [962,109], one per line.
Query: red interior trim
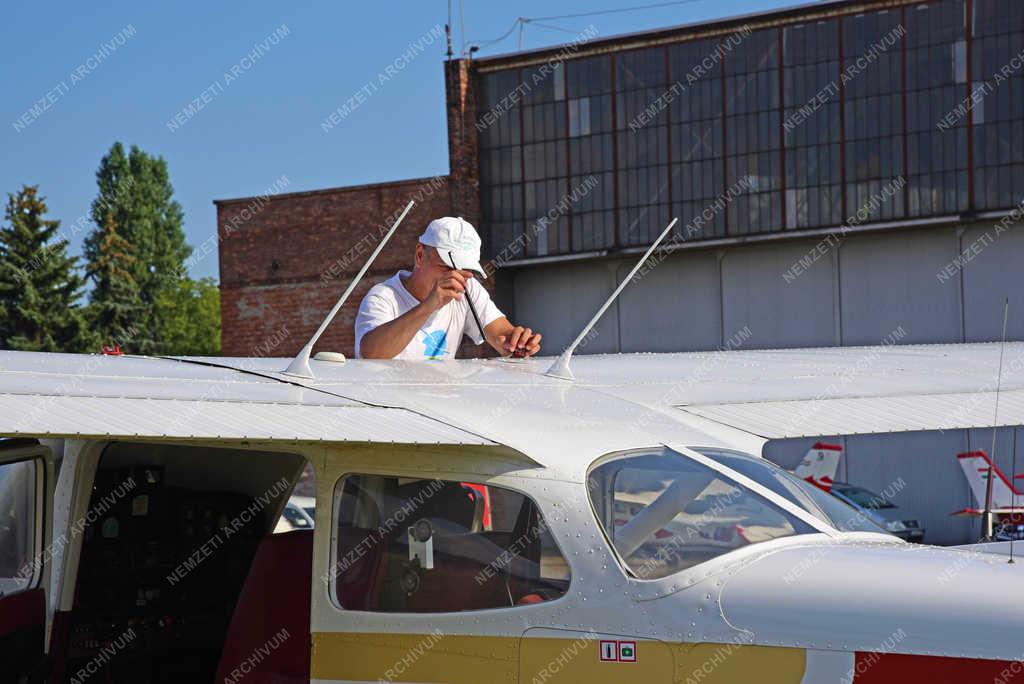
[22,610]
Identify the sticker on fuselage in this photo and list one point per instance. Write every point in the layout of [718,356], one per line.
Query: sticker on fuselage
[618,652]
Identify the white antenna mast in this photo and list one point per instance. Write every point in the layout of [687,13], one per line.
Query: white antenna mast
[986,517]
[299,366]
[560,368]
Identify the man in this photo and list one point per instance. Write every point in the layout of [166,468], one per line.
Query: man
[423,314]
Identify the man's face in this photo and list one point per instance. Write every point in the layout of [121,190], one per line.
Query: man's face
[429,262]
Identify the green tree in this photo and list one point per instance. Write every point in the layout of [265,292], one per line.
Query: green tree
[116,312]
[39,283]
[188,316]
[135,189]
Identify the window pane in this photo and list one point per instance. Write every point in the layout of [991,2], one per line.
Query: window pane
[17,525]
[664,512]
[434,546]
[807,496]
[753,134]
[936,87]
[874,103]
[811,125]
[698,167]
[998,111]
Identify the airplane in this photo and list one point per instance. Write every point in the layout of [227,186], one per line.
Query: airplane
[141,570]
[138,496]
[1004,502]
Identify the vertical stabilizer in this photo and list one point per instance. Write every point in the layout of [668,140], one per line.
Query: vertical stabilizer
[976,466]
[820,465]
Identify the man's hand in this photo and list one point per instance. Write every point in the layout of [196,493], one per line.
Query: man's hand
[451,287]
[520,341]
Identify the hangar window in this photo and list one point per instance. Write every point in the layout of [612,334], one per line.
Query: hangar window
[18,482]
[406,545]
[665,513]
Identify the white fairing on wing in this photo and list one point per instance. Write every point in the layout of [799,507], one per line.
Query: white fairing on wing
[976,465]
[880,597]
[820,465]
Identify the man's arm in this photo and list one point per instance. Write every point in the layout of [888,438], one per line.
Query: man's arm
[387,340]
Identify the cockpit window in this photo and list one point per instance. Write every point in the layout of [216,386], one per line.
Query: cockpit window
[664,512]
[406,545]
[807,496]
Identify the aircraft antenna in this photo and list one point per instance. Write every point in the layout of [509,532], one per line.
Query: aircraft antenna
[299,366]
[986,520]
[560,368]
[1013,465]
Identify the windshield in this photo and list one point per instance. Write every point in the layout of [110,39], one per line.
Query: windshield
[664,512]
[815,501]
[862,497]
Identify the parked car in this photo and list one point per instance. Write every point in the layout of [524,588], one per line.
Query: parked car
[882,512]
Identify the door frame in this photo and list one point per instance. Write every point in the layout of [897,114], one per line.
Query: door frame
[39,581]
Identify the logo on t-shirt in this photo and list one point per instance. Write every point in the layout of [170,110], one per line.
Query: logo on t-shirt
[435,344]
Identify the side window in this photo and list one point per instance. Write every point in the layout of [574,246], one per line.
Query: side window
[17,524]
[664,512]
[433,546]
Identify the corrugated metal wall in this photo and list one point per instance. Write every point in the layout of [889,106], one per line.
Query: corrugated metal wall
[858,292]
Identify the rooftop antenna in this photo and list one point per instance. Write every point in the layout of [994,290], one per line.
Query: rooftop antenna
[299,367]
[448,30]
[1013,465]
[986,517]
[560,368]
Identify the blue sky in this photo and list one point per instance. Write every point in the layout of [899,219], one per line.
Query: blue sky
[263,123]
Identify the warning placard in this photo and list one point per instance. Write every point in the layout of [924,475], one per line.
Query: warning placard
[618,651]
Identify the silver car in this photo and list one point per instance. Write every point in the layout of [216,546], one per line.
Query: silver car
[880,511]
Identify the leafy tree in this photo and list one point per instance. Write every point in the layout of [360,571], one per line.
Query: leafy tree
[135,189]
[188,316]
[39,283]
[115,309]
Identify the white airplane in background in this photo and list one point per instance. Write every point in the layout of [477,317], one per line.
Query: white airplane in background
[612,520]
[1006,496]
[1004,500]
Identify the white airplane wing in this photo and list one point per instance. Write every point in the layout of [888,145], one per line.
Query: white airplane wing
[70,395]
[777,394]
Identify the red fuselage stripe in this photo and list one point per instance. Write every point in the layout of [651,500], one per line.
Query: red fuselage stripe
[892,668]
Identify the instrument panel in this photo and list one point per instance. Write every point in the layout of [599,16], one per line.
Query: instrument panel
[160,573]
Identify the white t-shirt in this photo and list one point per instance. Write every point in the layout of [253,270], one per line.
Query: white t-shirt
[441,334]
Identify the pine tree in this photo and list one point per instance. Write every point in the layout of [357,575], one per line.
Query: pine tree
[135,190]
[39,283]
[116,311]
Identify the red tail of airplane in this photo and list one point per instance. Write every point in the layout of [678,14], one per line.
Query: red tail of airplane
[1007,497]
[820,465]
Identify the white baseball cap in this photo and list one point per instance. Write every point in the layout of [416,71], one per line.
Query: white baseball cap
[456,240]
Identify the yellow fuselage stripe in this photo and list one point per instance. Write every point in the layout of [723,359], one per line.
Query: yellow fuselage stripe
[456,659]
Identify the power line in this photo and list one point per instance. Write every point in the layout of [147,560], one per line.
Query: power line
[502,37]
[617,11]
[549,26]
[521,22]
